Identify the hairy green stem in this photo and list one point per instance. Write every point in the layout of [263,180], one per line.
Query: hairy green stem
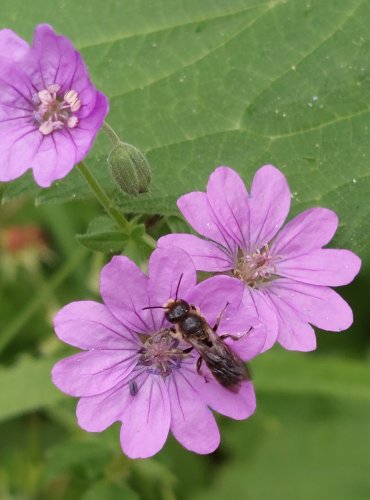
[111,134]
[106,203]
[102,196]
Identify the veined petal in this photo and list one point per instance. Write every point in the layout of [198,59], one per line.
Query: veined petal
[326,266]
[206,255]
[192,423]
[294,334]
[171,270]
[93,372]
[96,413]
[238,405]
[259,307]
[12,46]
[55,158]
[228,197]
[197,210]
[123,287]
[318,305]
[53,58]
[214,294]
[84,134]
[90,325]
[269,203]
[310,230]
[146,420]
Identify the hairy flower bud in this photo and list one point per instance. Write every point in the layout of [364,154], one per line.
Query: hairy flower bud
[129,169]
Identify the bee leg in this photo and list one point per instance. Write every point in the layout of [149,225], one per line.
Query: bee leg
[218,319]
[234,337]
[199,364]
[189,349]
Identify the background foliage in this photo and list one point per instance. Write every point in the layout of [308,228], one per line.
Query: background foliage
[194,85]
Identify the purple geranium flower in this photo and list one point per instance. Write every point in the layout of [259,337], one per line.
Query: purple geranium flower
[50,112]
[132,369]
[286,271]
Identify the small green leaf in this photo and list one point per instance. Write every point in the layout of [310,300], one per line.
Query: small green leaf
[27,386]
[103,235]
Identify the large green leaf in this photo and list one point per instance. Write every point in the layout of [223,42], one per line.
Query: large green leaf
[243,82]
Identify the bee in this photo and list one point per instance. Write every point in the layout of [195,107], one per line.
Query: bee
[190,326]
[226,366]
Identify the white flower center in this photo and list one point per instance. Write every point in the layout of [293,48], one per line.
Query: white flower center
[160,353]
[256,268]
[53,111]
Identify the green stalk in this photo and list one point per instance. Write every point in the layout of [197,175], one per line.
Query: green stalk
[42,296]
[106,203]
[111,134]
[102,196]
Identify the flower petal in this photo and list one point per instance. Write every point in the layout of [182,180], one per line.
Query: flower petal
[93,372]
[146,420]
[171,271]
[310,230]
[321,267]
[12,46]
[294,333]
[84,134]
[251,335]
[318,305]
[197,210]
[123,287]
[206,255]
[269,205]
[214,294]
[55,158]
[192,423]
[96,413]
[90,325]
[228,198]
[238,405]
[54,58]
[259,307]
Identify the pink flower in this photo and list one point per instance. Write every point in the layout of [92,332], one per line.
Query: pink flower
[50,112]
[132,370]
[286,271]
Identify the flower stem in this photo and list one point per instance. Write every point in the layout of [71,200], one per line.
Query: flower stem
[106,203]
[111,134]
[102,196]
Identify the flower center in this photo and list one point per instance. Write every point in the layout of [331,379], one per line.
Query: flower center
[53,111]
[256,268]
[160,353]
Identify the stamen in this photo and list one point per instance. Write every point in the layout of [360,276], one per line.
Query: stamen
[160,353]
[257,268]
[53,112]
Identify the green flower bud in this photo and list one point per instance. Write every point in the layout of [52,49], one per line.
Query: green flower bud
[129,169]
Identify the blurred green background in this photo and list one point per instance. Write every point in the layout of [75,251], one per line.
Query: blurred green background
[196,84]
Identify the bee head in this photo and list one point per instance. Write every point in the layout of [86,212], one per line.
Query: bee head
[176,310]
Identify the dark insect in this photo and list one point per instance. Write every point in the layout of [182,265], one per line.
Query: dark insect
[189,325]
[226,366]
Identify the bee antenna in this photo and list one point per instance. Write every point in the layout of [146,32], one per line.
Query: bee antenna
[178,286]
[153,307]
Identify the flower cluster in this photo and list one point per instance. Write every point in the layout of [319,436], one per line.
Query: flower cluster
[273,282]
[161,351]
